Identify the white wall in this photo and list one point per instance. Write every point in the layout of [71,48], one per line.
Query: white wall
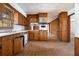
[72,24]
[77,20]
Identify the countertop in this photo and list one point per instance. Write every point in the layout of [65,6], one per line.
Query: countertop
[10,33]
[14,32]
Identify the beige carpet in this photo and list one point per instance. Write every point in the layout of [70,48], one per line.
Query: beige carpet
[48,48]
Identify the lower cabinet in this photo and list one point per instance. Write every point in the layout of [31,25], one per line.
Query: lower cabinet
[0,45]
[7,46]
[18,44]
[11,44]
[38,35]
[30,35]
[43,35]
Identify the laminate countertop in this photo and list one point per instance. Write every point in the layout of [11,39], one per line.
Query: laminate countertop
[14,32]
[10,33]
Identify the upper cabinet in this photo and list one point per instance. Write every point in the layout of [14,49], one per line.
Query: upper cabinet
[6,16]
[19,18]
[33,18]
[9,16]
[37,18]
[43,17]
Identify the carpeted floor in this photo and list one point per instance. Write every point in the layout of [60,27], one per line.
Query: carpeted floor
[48,48]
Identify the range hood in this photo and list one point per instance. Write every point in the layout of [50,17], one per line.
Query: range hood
[43,19]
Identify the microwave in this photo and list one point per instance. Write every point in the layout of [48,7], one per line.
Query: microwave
[43,27]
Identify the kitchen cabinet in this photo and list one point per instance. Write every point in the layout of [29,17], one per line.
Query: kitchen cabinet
[43,17]
[0,46]
[6,46]
[27,22]
[76,45]
[18,43]
[19,18]
[43,14]
[33,18]
[11,44]
[43,35]
[31,36]
[38,35]
[6,16]
[63,27]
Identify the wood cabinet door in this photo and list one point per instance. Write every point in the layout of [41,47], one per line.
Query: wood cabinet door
[18,44]
[7,46]
[0,46]
[64,27]
[46,35]
[76,46]
[31,36]
[36,35]
[43,35]
[21,19]
[40,35]
[31,20]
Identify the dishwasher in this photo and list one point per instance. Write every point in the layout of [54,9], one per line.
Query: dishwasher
[25,38]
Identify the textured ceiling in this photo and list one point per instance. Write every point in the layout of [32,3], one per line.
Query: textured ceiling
[52,8]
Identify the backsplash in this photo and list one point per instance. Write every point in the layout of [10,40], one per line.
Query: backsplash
[15,28]
[18,28]
[5,30]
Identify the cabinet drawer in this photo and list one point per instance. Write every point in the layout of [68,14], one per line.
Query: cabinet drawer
[18,35]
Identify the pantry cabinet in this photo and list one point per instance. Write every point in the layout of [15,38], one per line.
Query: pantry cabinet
[76,45]
[64,27]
